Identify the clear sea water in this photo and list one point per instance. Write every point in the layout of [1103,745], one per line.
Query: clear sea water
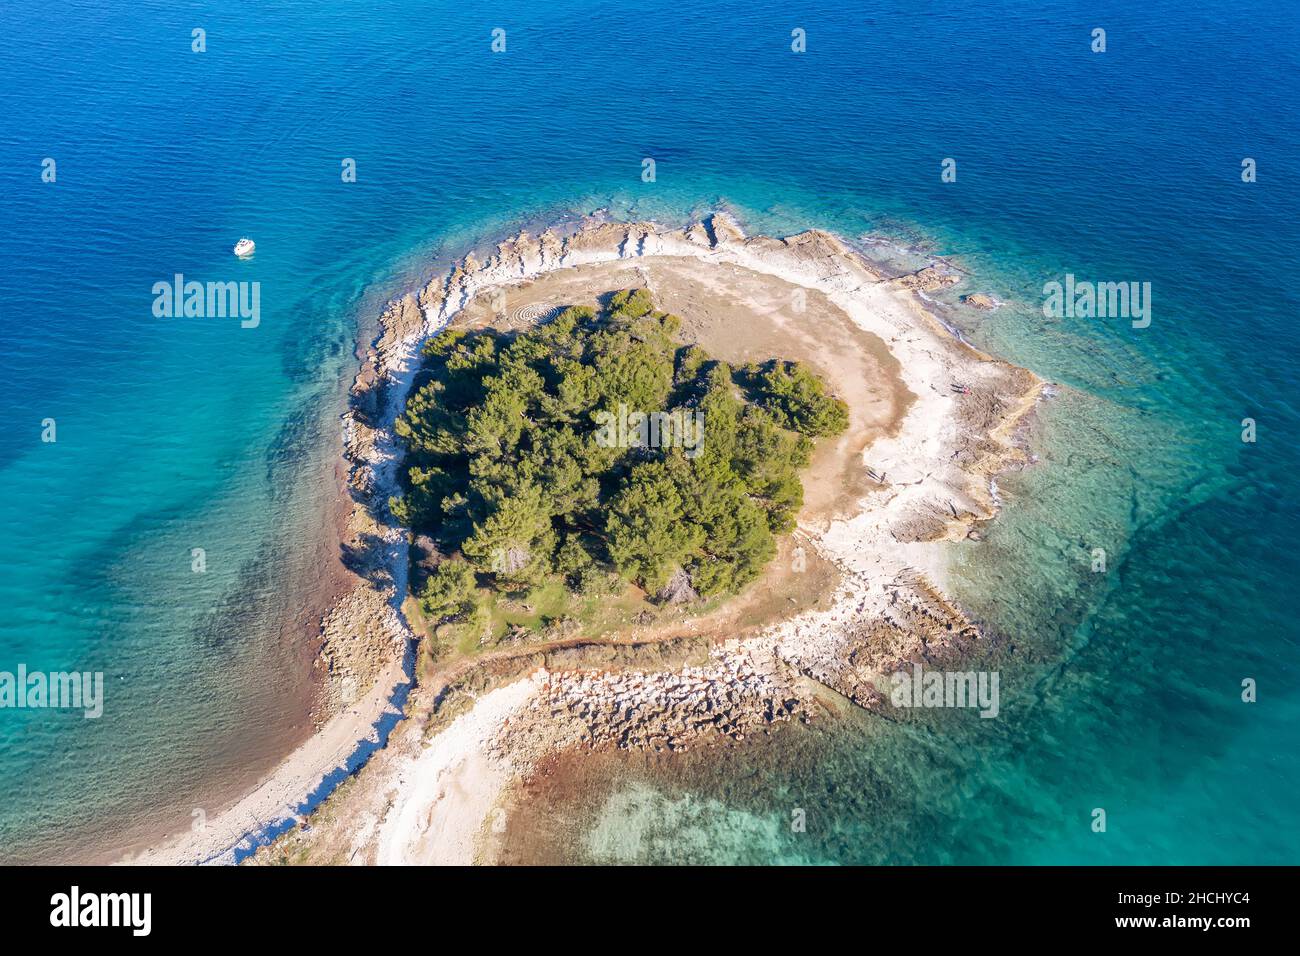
[175,434]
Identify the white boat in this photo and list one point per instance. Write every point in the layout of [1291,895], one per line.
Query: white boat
[244,247]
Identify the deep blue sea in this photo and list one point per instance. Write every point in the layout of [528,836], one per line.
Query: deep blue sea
[180,433]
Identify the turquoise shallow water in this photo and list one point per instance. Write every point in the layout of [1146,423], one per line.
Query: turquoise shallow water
[183,433]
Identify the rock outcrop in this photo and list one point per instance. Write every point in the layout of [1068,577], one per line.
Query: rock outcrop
[661,711]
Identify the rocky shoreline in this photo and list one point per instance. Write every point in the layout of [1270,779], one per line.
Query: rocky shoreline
[661,711]
[933,485]
[927,483]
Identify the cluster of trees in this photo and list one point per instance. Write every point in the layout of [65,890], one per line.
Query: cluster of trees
[505,473]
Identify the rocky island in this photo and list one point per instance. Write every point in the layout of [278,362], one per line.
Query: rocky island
[862,438]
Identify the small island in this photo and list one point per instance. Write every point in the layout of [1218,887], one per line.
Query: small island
[595,463]
[630,491]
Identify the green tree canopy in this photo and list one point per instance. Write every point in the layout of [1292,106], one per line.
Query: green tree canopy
[534,455]
[449,592]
